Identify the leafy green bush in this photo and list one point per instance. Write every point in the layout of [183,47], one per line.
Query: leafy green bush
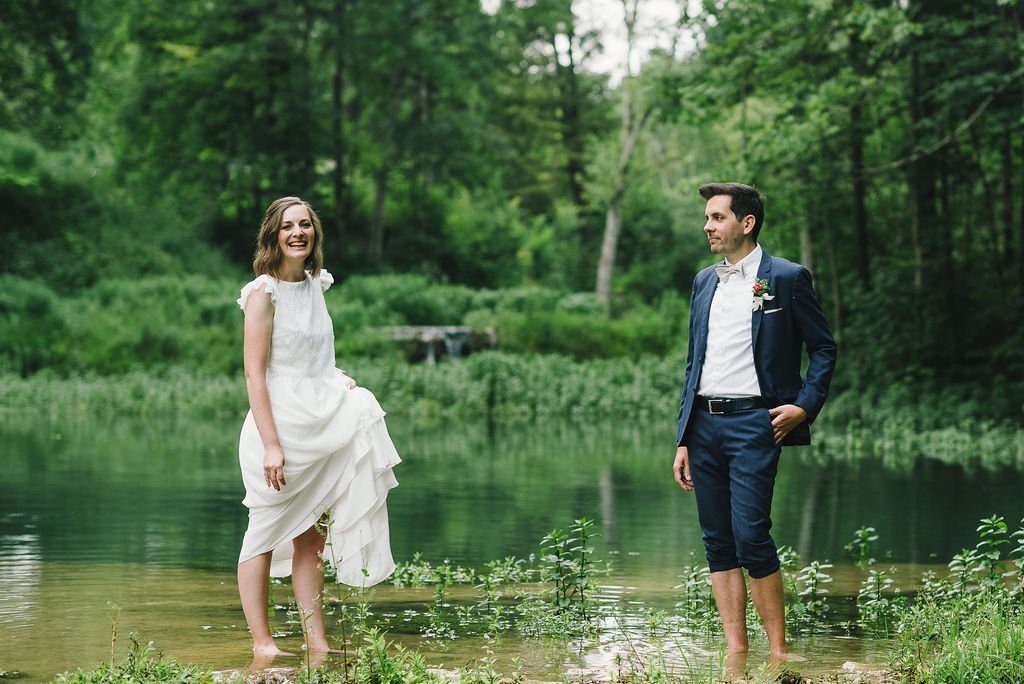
[123,324]
[33,332]
[583,336]
[84,226]
[405,299]
[143,664]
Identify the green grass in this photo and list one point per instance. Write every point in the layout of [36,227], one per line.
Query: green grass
[143,664]
[962,639]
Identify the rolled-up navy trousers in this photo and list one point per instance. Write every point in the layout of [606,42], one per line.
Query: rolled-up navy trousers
[733,461]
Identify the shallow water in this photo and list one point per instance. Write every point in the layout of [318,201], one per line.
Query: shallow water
[146,516]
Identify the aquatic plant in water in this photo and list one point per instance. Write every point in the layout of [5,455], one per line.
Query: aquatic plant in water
[810,609]
[877,609]
[860,547]
[695,601]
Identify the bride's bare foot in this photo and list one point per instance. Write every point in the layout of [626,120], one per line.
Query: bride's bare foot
[324,648]
[271,651]
[260,662]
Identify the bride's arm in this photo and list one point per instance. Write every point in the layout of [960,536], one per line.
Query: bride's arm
[259,324]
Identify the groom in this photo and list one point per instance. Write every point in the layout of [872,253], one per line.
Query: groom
[743,399]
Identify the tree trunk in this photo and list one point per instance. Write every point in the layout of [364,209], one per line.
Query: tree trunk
[609,245]
[628,135]
[935,326]
[948,315]
[613,216]
[1008,251]
[922,183]
[806,247]
[836,290]
[382,173]
[1020,231]
[338,122]
[861,248]
[380,190]
[424,114]
[860,212]
[569,101]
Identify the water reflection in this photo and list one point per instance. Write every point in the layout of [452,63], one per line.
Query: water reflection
[19,577]
[147,515]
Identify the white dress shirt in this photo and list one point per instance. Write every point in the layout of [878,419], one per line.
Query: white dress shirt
[729,360]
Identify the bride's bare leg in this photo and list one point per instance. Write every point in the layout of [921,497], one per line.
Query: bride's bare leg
[308,585]
[254,587]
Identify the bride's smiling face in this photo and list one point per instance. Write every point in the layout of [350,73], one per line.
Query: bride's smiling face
[295,238]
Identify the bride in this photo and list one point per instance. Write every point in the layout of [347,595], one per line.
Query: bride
[315,454]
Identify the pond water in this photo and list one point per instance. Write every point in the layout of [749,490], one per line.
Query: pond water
[139,522]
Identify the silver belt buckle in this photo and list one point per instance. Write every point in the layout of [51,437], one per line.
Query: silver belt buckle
[711,407]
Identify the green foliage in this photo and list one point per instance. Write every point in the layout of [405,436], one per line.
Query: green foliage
[878,610]
[402,299]
[191,321]
[1017,555]
[143,664]
[961,630]
[585,337]
[695,600]
[860,547]
[33,333]
[138,141]
[96,229]
[992,537]
[810,608]
[565,563]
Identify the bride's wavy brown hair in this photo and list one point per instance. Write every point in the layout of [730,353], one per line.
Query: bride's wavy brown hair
[268,253]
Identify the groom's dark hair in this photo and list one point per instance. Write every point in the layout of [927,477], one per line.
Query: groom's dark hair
[746,201]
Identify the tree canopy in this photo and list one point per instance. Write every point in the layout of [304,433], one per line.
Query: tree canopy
[477,146]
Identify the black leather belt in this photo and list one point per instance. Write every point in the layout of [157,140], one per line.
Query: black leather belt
[718,406]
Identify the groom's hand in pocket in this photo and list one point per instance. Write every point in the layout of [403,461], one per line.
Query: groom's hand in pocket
[784,419]
[681,469]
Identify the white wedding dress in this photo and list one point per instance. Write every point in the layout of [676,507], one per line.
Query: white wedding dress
[338,455]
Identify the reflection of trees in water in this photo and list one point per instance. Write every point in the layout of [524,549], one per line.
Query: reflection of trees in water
[169,492]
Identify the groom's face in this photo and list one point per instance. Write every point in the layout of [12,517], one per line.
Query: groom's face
[726,232]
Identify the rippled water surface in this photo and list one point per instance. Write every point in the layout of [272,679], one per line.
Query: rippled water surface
[138,523]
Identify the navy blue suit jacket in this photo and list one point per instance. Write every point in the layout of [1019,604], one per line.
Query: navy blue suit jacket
[788,323]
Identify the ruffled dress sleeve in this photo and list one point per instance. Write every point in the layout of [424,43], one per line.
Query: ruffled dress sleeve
[263,283]
[326,279]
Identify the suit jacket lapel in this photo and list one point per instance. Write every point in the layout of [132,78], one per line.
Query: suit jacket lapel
[764,272]
[704,313]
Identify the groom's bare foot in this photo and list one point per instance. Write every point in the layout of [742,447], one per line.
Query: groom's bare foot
[776,659]
[735,665]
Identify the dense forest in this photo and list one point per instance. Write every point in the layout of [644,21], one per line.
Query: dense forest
[475,146]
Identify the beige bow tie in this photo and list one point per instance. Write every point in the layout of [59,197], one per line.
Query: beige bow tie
[726,271]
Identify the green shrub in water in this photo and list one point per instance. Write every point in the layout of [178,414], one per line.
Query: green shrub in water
[143,664]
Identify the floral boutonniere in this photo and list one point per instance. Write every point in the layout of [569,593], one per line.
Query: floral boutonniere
[761,294]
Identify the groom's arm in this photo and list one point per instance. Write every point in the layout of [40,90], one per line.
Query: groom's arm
[821,346]
[689,362]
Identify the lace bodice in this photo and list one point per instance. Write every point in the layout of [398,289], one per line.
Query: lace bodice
[302,344]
